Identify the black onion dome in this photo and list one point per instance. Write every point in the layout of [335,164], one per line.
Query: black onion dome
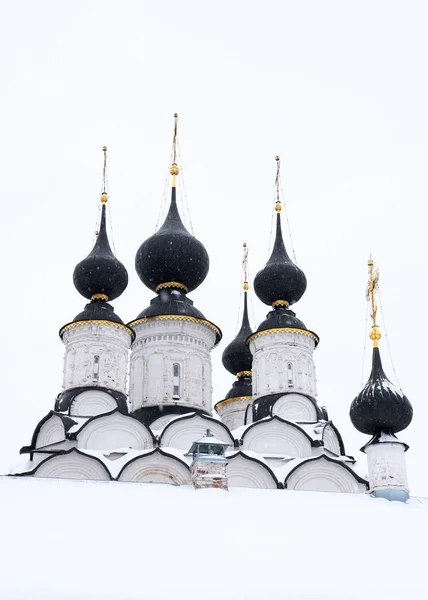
[237,356]
[172,254]
[100,272]
[380,406]
[280,278]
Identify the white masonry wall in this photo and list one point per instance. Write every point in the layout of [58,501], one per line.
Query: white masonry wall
[283,362]
[164,348]
[96,355]
[387,466]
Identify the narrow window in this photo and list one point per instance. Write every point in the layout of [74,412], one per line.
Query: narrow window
[290,374]
[96,371]
[176,380]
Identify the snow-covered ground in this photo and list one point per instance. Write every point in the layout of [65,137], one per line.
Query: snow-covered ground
[78,540]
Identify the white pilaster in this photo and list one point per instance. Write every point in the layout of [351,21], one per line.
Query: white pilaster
[283,362]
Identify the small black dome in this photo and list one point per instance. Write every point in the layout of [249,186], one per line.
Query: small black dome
[380,406]
[171,301]
[283,318]
[237,356]
[172,254]
[280,278]
[242,387]
[100,272]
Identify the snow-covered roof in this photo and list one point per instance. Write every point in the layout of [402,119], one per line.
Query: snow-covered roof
[210,546]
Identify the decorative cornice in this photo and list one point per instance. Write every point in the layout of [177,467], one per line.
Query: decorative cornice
[177,318]
[75,324]
[171,284]
[99,297]
[284,329]
[281,303]
[244,374]
[229,400]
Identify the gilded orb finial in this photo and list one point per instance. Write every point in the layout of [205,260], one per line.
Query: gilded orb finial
[104,198]
[174,170]
[375,335]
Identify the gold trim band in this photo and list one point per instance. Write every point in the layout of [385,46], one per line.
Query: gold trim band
[281,303]
[172,284]
[244,374]
[229,400]
[96,322]
[288,329]
[176,318]
[99,297]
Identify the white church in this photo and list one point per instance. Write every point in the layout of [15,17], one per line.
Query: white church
[136,400]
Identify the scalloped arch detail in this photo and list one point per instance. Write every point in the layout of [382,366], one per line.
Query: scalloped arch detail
[244,472]
[295,407]
[91,403]
[73,466]
[276,437]
[181,433]
[322,475]
[156,468]
[113,431]
[330,439]
[51,432]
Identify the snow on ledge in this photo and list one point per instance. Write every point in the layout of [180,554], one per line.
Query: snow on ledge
[91,540]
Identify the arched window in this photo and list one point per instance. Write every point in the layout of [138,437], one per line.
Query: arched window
[96,369]
[290,375]
[176,380]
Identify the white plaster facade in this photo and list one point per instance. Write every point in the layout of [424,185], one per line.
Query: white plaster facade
[387,467]
[232,411]
[283,362]
[96,354]
[170,363]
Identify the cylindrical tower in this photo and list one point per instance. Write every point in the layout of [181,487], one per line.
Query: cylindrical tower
[381,410]
[282,347]
[97,342]
[170,364]
[237,359]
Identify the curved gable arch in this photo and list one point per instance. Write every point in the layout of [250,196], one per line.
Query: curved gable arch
[114,430]
[73,465]
[277,436]
[50,430]
[295,407]
[245,471]
[182,432]
[156,467]
[324,474]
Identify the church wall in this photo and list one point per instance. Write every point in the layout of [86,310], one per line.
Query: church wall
[170,364]
[283,361]
[96,355]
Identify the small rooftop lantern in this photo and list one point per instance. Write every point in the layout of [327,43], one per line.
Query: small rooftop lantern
[209,462]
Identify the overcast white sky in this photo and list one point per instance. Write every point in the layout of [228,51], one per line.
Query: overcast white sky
[337,88]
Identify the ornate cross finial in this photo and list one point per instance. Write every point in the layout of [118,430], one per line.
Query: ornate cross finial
[245,266]
[372,286]
[104,196]
[278,201]
[174,170]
